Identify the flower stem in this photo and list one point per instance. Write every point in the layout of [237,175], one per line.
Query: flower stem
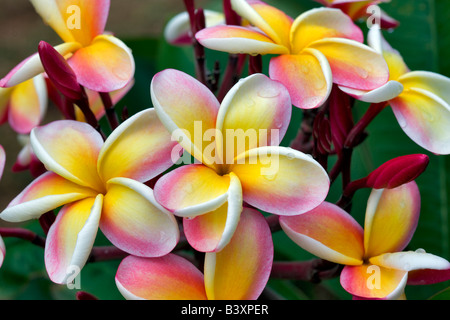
[314,270]
[109,110]
[23,234]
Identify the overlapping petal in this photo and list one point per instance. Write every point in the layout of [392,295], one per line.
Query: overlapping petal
[74,21]
[47,192]
[134,222]
[410,260]
[192,190]
[107,64]
[236,39]
[281,180]
[170,277]
[391,219]
[328,232]
[374,282]
[254,113]
[71,237]
[27,104]
[140,149]
[75,161]
[272,21]
[307,76]
[187,109]
[353,64]
[213,231]
[241,270]
[321,23]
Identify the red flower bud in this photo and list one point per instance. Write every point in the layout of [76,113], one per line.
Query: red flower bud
[397,171]
[59,72]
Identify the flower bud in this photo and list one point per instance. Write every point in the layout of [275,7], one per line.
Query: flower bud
[59,72]
[397,171]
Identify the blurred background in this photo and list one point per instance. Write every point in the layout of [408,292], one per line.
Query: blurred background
[422,38]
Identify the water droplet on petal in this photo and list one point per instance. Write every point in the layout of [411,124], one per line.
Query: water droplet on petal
[290,156]
[249,103]
[401,120]
[270,177]
[270,92]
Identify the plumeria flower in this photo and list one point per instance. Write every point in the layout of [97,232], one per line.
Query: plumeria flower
[178,29]
[26,159]
[99,184]
[238,272]
[420,99]
[375,265]
[102,62]
[24,105]
[275,179]
[361,9]
[320,47]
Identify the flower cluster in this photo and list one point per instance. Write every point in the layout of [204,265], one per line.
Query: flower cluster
[189,192]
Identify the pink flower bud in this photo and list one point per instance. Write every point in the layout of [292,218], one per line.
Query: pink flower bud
[59,72]
[397,171]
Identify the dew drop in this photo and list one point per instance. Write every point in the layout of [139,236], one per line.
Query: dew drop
[290,156]
[305,69]
[401,120]
[270,177]
[268,93]
[250,103]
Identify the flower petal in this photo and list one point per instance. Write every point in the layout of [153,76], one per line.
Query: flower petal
[327,232]
[70,149]
[32,66]
[178,29]
[186,107]
[134,222]
[410,260]
[373,282]
[395,62]
[241,270]
[386,92]
[213,231]
[425,118]
[307,76]
[2,251]
[255,113]
[71,237]
[74,20]
[2,160]
[28,104]
[49,191]
[236,39]
[272,21]
[353,64]
[105,65]
[321,23]
[170,277]
[192,190]
[281,180]
[140,149]
[429,81]
[391,219]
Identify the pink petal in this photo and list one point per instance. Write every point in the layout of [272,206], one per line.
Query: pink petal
[241,270]
[166,278]
[134,222]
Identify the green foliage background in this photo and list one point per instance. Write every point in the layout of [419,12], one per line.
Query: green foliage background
[422,38]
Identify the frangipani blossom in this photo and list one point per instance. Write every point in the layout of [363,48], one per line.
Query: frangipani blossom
[99,184]
[421,103]
[361,9]
[375,266]
[320,47]
[101,61]
[236,145]
[178,29]
[24,104]
[239,272]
